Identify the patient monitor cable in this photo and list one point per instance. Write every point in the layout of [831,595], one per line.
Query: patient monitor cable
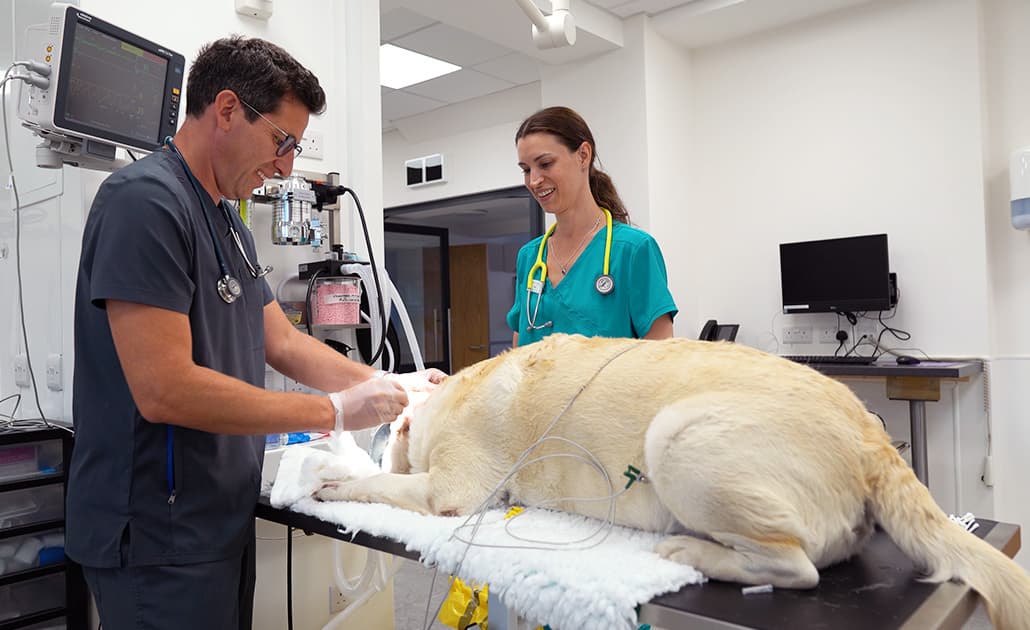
[12,184]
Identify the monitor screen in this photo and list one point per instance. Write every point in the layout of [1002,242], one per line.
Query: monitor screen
[114,85]
[836,275]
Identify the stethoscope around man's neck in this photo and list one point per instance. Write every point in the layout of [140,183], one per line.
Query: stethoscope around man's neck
[604,282]
[229,288]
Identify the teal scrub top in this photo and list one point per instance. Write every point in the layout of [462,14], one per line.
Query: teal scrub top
[640,297]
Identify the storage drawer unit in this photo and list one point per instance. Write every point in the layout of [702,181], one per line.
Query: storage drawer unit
[39,587]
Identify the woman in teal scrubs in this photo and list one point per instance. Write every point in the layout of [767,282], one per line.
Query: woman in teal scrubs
[592,273]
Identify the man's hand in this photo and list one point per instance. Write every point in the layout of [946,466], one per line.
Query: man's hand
[369,404]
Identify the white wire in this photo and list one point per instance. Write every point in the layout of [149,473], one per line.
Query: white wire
[546,545]
[17,252]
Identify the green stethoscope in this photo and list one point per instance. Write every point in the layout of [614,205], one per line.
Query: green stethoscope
[604,283]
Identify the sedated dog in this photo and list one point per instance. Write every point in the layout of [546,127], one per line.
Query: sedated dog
[776,470]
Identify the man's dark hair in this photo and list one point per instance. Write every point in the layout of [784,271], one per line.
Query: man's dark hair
[258,71]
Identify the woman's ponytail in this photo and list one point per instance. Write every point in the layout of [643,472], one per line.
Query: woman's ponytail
[605,195]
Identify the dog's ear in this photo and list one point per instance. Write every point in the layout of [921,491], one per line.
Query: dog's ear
[405,426]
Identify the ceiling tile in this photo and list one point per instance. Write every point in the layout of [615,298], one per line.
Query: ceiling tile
[627,8]
[400,104]
[400,22]
[607,4]
[452,44]
[516,67]
[459,86]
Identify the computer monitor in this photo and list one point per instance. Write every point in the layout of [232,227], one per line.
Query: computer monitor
[106,84]
[836,275]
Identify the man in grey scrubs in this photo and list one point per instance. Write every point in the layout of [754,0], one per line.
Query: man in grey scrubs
[169,407]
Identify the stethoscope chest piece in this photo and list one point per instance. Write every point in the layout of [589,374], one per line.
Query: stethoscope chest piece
[229,289]
[604,284]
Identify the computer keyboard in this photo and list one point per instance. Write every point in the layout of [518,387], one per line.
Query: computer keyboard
[812,358]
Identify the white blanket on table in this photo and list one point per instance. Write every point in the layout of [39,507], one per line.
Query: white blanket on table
[574,589]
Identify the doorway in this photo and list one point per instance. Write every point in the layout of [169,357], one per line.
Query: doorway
[457,256]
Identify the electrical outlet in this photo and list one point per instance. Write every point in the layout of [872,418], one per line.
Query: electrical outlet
[797,334]
[290,385]
[828,334]
[273,380]
[53,372]
[311,144]
[21,371]
[337,600]
[866,328]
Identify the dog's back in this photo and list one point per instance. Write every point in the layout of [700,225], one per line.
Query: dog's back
[493,411]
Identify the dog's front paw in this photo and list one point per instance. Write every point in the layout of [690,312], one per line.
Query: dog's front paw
[332,491]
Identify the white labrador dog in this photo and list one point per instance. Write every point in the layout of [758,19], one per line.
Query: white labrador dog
[775,470]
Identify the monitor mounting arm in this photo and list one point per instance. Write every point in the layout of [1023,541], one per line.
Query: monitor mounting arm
[551,31]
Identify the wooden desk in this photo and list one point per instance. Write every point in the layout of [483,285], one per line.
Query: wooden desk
[914,383]
[876,589]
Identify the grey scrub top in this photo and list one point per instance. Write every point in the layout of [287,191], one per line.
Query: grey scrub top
[146,241]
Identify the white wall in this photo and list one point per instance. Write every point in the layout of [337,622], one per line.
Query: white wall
[1006,49]
[669,106]
[866,121]
[609,92]
[476,138]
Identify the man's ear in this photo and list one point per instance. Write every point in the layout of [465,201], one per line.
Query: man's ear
[226,102]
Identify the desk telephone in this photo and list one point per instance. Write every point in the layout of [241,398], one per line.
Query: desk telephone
[714,331]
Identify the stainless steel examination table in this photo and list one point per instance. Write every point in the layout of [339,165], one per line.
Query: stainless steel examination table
[877,589]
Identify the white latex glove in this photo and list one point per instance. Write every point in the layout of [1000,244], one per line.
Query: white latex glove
[424,381]
[368,404]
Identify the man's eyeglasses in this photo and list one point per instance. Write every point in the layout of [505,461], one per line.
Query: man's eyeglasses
[289,141]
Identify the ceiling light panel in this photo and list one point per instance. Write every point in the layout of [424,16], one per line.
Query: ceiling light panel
[399,67]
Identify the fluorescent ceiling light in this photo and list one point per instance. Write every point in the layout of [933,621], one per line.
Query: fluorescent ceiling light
[399,67]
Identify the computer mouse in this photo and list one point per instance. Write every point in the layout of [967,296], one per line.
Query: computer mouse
[907,360]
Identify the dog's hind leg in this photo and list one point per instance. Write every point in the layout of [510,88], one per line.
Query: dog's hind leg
[710,467]
[734,558]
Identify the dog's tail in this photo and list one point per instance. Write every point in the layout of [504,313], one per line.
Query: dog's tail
[904,508]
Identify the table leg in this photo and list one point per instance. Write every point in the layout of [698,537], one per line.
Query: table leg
[917,420]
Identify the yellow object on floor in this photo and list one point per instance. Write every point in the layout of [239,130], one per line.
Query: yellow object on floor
[465,606]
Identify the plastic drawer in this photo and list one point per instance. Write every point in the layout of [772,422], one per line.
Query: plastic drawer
[31,505]
[31,596]
[31,550]
[31,459]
